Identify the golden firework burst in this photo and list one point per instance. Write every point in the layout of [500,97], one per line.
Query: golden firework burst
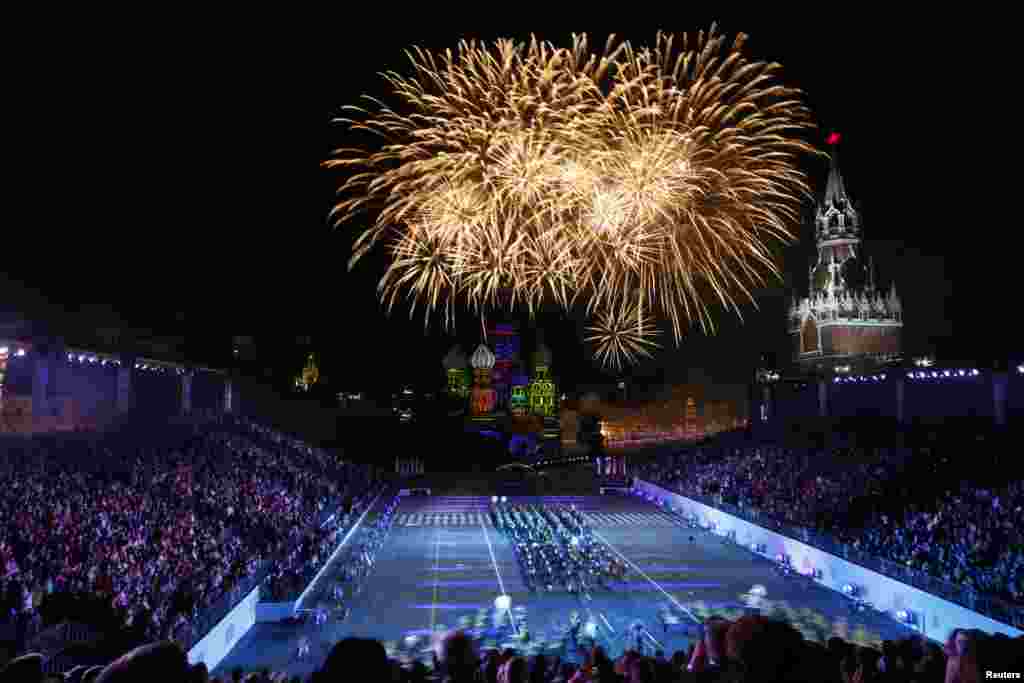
[622,335]
[525,173]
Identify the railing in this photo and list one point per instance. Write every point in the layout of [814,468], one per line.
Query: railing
[1000,610]
[203,622]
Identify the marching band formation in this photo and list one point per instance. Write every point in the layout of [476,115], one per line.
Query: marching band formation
[556,548]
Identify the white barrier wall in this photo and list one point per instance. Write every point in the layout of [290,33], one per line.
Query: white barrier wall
[218,643]
[274,612]
[337,550]
[935,617]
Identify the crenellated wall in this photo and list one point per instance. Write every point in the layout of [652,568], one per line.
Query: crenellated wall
[1014,395]
[792,402]
[157,393]
[960,397]
[908,396]
[875,399]
[207,391]
[91,390]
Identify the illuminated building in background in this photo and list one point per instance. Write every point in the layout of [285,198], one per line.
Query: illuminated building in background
[691,418]
[483,396]
[845,320]
[519,404]
[542,388]
[458,373]
[672,413]
[501,401]
[507,371]
[309,376]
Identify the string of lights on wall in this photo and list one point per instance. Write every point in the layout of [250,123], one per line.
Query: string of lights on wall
[147,365]
[15,352]
[916,375]
[942,374]
[859,379]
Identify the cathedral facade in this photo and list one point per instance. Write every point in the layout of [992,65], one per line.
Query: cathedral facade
[505,397]
[846,324]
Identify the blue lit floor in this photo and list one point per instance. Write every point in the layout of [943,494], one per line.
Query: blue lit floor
[429,577]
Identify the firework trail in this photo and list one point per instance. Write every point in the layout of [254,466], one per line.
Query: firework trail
[518,174]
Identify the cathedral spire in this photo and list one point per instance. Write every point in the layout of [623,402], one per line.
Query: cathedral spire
[836,217]
[835,191]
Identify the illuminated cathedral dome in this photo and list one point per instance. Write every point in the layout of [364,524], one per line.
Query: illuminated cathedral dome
[483,358]
[455,360]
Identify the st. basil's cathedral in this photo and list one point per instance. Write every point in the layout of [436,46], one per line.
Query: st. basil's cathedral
[505,398]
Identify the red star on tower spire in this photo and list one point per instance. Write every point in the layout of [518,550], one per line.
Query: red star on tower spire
[833,139]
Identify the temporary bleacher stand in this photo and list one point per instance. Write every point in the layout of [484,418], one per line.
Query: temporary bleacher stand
[939,617]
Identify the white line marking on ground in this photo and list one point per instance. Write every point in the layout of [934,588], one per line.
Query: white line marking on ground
[644,574]
[501,584]
[337,550]
[437,574]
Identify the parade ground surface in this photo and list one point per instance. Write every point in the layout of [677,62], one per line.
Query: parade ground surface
[444,564]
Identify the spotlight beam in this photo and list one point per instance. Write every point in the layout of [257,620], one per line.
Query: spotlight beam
[497,572]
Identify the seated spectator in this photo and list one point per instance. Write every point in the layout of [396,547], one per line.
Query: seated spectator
[366,656]
[156,661]
[459,658]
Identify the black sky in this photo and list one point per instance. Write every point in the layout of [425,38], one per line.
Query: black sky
[193,160]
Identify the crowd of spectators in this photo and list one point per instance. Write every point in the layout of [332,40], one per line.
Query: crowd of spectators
[879,502]
[163,524]
[746,650]
[354,562]
[291,574]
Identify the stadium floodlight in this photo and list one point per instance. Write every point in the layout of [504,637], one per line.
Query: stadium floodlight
[4,350]
[504,499]
[494,499]
[20,353]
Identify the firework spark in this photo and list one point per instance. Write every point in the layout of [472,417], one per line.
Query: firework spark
[526,173]
[623,334]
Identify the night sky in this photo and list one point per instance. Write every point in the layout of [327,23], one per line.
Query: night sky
[196,203]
